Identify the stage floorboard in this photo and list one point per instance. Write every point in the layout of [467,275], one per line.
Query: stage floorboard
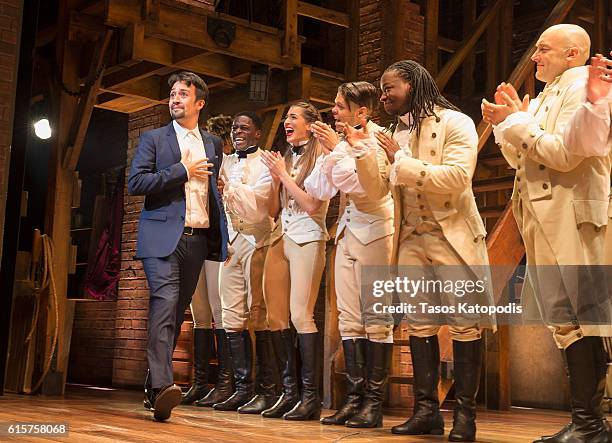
[117,415]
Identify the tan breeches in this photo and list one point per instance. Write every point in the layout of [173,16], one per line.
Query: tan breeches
[292,276]
[540,253]
[206,302]
[351,256]
[241,287]
[426,249]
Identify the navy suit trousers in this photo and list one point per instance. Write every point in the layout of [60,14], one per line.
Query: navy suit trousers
[172,282]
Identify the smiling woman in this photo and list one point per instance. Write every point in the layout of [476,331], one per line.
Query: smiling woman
[294,264]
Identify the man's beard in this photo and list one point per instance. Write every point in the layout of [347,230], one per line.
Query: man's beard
[177,114]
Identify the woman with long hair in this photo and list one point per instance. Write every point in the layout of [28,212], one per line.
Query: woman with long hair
[294,264]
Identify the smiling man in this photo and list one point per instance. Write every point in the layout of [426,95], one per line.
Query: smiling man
[560,202]
[247,185]
[182,223]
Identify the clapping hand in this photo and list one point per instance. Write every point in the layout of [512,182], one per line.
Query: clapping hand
[507,102]
[600,78]
[326,136]
[388,144]
[275,163]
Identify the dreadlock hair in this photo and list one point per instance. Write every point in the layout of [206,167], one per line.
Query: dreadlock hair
[312,150]
[360,93]
[424,93]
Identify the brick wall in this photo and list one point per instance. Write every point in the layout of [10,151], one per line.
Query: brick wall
[10,26]
[92,345]
[129,365]
[376,22]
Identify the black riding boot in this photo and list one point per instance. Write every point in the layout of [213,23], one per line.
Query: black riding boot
[309,407]
[354,366]
[266,377]
[242,361]
[467,356]
[224,387]
[587,364]
[378,358]
[426,417]
[203,344]
[284,348]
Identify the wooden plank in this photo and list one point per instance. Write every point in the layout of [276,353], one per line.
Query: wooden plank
[467,73]
[101,416]
[432,11]
[493,184]
[127,104]
[321,14]
[323,89]
[467,44]
[290,46]
[139,71]
[190,28]
[151,88]
[86,104]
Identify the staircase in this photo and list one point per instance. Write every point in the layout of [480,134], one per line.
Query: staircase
[494,44]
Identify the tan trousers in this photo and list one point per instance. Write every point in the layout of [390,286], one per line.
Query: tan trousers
[540,253]
[241,287]
[351,256]
[206,302]
[426,249]
[292,276]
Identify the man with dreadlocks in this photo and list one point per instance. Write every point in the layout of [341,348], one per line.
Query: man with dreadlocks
[438,233]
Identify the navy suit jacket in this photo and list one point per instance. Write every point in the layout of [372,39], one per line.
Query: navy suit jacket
[157,174]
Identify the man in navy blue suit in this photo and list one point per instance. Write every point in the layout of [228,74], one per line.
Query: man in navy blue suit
[182,224]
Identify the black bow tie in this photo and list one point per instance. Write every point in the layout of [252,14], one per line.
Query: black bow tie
[245,152]
[298,150]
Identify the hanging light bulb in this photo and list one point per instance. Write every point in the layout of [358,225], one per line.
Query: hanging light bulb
[42,129]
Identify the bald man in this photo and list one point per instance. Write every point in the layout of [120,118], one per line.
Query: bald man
[560,203]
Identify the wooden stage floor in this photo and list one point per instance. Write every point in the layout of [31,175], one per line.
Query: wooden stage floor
[118,416]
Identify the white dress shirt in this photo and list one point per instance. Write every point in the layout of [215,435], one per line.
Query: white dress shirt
[196,190]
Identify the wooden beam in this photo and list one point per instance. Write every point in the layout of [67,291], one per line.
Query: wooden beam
[148,88]
[493,48]
[323,14]
[467,44]
[351,42]
[505,36]
[299,84]
[189,28]
[86,104]
[467,72]
[139,71]
[278,116]
[150,10]
[432,11]
[599,44]
[525,65]
[290,37]
[493,184]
